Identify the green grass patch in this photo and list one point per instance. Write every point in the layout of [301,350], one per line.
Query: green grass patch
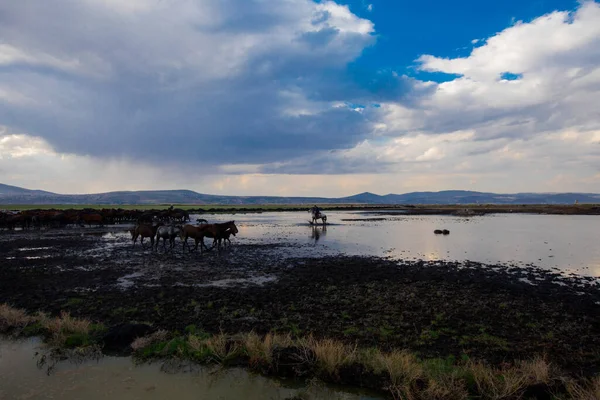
[351,331]
[77,340]
[74,302]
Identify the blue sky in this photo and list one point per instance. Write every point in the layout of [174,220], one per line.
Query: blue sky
[443,28]
[300,97]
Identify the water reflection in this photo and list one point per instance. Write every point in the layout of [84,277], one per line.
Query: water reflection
[567,242]
[119,378]
[317,232]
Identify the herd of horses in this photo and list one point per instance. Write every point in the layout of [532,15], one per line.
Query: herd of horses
[32,219]
[219,232]
[152,224]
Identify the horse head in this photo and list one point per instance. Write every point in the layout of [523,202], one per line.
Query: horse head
[233,228]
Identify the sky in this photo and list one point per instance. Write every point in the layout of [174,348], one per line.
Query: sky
[300,97]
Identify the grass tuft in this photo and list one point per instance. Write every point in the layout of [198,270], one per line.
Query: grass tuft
[586,390]
[496,384]
[331,354]
[13,318]
[146,341]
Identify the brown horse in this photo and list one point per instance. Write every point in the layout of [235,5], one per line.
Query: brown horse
[226,235]
[215,231]
[195,232]
[91,218]
[144,231]
[221,231]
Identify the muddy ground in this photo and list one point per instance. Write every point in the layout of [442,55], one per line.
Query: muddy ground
[437,309]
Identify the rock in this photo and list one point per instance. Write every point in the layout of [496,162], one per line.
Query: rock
[118,339]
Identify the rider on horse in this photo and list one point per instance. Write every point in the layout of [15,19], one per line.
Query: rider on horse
[316,211]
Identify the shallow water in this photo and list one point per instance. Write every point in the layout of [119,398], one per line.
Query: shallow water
[566,242]
[119,378]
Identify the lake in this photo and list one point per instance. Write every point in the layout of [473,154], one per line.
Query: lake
[565,242]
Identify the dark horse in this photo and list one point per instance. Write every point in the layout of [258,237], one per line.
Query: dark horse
[144,231]
[217,232]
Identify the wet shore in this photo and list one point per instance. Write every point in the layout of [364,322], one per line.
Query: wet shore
[434,309]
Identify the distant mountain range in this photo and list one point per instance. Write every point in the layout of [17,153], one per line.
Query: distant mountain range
[16,195]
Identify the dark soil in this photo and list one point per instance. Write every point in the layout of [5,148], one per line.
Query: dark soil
[437,309]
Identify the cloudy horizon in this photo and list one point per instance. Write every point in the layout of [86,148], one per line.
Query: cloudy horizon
[299,97]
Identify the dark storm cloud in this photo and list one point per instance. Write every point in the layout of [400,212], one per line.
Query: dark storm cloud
[236,83]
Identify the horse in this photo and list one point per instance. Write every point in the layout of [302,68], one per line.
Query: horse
[215,231]
[90,218]
[195,232]
[219,231]
[167,232]
[318,215]
[144,231]
[225,237]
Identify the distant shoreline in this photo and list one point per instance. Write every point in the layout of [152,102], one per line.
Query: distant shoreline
[420,209]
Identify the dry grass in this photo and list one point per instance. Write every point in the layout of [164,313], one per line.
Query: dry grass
[260,350]
[60,328]
[13,318]
[331,354]
[536,371]
[450,387]
[589,390]
[145,341]
[403,369]
[66,324]
[220,347]
[496,384]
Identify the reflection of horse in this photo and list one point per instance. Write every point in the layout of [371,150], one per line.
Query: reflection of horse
[167,232]
[316,215]
[317,232]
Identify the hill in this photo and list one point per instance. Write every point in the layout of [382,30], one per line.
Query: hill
[16,195]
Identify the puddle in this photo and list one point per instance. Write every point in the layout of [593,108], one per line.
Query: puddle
[34,248]
[254,280]
[126,281]
[119,378]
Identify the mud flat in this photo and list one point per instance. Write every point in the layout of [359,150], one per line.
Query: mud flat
[435,310]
